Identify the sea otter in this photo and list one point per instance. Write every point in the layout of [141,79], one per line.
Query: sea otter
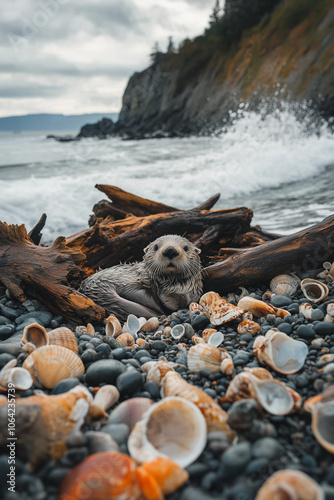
[169,278]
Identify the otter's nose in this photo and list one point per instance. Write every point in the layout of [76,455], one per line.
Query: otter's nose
[170,252]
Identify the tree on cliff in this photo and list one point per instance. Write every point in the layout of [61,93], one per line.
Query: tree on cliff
[156,54]
[171,46]
[216,13]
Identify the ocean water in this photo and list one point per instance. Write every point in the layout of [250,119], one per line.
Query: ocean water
[279,166]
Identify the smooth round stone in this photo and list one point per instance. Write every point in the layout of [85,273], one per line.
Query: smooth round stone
[197,469]
[256,465]
[65,385]
[112,342]
[119,432]
[293,308]
[103,349]
[5,358]
[266,448]
[210,392]
[104,371]
[208,481]
[237,457]
[182,360]
[142,353]
[6,331]
[301,381]
[9,313]
[146,359]
[31,486]
[99,442]
[317,315]
[119,353]
[193,493]
[130,382]
[56,475]
[281,301]
[305,332]
[76,455]
[158,345]
[324,328]
[153,389]
[330,475]
[289,319]
[88,356]
[199,322]
[4,320]
[285,328]
[246,337]
[240,359]
[43,316]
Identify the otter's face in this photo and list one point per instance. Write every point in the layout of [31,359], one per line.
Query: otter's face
[172,254]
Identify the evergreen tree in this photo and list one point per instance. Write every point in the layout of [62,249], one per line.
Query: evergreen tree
[216,13]
[156,53]
[170,47]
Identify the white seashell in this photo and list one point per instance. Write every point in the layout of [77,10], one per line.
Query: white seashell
[322,409]
[260,308]
[268,295]
[306,309]
[177,331]
[227,365]
[204,357]
[280,352]
[290,485]
[212,337]
[247,316]
[113,327]
[105,398]
[196,339]
[19,377]
[284,283]
[326,358]
[318,341]
[156,370]
[328,319]
[330,310]
[132,325]
[130,412]
[314,290]
[126,339]
[90,330]
[34,334]
[249,326]
[173,428]
[64,337]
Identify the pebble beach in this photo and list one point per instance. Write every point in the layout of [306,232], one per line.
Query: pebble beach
[229,469]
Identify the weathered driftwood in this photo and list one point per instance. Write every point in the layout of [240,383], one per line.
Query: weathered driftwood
[299,252]
[44,273]
[35,234]
[111,242]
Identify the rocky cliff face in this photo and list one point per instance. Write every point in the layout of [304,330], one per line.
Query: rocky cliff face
[290,54]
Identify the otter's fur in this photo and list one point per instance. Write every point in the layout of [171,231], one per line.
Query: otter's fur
[169,278]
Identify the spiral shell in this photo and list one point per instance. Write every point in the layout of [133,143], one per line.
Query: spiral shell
[290,485]
[126,339]
[260,308]
[247,326]
[314,290]
[51,364]
[105,398]
[151,325]
[113,327]
[63,337]
[306,310]
[226,365]
[219,310]
[156,370]
[284,283]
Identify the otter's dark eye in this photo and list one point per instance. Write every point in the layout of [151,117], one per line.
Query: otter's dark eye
[155,248]
[186,248]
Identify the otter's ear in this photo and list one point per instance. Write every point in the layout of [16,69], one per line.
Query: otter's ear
[146,248]
[198,250]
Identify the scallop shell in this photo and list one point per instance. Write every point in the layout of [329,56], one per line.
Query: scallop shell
[226,365]
[204,357]
[247,326]
[156,370]
[306,310]
[290,485]
[215,416]
[105,398]
[19,377]
[314,290]
[219,310]
[280,352]
[196,339]
[260,308]
[113,327]
[322,409]
[51,364]
[130,412]
[63,337]
[90,330]
[212,337]
[151,325]
[284,283]
[126,339]
[172,428]
[34,334]
[169,476]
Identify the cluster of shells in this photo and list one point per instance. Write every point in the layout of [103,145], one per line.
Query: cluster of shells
[169,435]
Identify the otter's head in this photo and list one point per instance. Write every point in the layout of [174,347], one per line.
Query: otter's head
[172,255]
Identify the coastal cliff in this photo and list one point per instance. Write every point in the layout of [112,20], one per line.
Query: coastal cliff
[289,54]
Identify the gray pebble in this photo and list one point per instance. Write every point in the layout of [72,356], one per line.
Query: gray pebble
[256,465]
[317,315]
[237,457]
[323,328]
[104,371]
[100,441]
[119,432]
[266,448]
[305,332]
[130,382]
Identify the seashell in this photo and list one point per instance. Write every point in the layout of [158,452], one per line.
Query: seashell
[20,377]
[204,357]
[271,394]
[90,330]
[326,358]
[195,307]
[328,319]
[28,348]
[247,326]
[284,283]
[177,331]
[227,365]
[182,347]
[196,339]
[306,310]
[81,330]
[328,368]
[151,325]
[130,412]
[105,398]
[321,408]
[109,475]
[215,417]
[218,309]
[268,295]
[330,310]
[247,316]
[34,334]
[126,339]
[50,364]
[140,342]
[327,265]
[314,290]
[331,270]
[167,332]
[280,352]
[156,370]
[113,327]
[172,428]
[169,476]
[64,337]
[259,308]
[319,341]
[212,337]
[260,373]
[290,485]
[132,325]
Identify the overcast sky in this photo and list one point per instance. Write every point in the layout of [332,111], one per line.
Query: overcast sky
[75,56]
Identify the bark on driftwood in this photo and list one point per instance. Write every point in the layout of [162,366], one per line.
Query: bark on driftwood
[44,273]
[299,252]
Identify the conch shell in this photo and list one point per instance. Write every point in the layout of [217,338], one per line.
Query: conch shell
[280,352]
[173,428]
[215,417]
[260,308]
[156,370]
[322,409]
[219,310]
[271,394]
[104,399]
[51,364]
[113,327]
[248,326]
[284,283]
[289,484]
[19,377]
[126,339]
[314,290]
